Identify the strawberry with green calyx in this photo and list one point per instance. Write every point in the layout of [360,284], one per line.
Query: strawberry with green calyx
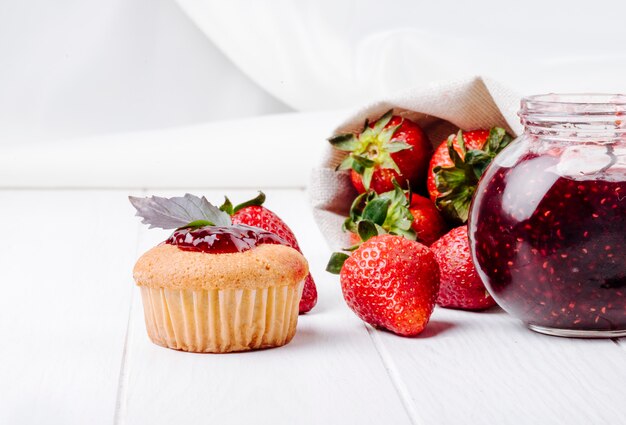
[388,211]
[392,147]
[455,170]
[365,229]
[389,282]
[253,213]
[417,219]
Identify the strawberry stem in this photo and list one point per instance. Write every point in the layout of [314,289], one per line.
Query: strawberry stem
[227,206]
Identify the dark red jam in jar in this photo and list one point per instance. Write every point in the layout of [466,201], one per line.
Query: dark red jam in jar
[548,221]
[222,239]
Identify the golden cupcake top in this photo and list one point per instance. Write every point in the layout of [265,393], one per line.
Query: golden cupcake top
[168,266]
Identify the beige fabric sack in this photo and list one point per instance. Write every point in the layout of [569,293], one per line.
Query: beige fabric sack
[439,109]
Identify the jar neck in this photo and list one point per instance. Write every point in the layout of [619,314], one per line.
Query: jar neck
[575,117]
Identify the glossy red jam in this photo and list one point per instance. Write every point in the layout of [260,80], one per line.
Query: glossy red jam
[548,233]
[222,240]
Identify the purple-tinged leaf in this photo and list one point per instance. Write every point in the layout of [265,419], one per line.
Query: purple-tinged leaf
[176,212]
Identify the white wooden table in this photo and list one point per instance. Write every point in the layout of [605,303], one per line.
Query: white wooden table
[75,350]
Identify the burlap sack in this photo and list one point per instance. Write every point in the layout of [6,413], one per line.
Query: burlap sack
[439,109]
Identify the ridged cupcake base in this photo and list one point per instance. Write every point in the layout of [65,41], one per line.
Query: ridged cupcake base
[221,320]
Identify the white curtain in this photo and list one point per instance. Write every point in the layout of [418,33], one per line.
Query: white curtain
[76,68]
[73,68]
[316,54]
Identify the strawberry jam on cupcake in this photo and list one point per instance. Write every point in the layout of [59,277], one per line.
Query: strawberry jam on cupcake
[213,286]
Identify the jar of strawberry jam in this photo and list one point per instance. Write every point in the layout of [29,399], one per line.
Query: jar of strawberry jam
[548,222]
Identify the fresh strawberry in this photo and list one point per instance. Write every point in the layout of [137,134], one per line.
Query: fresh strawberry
[461,286]
[456,167]
[391,212]
[390,282]
[387,213]
[473,140]
[427,221]
[391,148]
[253,213]
[355,239]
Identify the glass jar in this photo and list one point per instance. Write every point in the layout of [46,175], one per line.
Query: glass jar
[547,225]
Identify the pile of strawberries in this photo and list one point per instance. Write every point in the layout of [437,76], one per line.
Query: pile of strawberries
[410,252]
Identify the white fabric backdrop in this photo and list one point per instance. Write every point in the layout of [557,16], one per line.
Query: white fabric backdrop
[75,68]
[329,53]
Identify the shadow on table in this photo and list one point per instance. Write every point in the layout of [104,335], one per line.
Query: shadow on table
[496,309]
[436,327]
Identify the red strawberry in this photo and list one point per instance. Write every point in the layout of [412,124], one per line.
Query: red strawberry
[355,239]
[391,212]
[473,140]
[391,148]
[461,286]
[427,222]
[456,167]
[254,214]
[389,282]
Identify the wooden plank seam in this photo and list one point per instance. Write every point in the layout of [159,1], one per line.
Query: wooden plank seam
[394,376]
[122,385]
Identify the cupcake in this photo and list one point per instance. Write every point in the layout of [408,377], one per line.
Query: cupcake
[214,287]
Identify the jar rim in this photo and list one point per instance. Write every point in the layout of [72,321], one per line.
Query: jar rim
[573,104]
[575,116]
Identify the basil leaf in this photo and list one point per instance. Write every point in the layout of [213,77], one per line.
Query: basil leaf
[176,212]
